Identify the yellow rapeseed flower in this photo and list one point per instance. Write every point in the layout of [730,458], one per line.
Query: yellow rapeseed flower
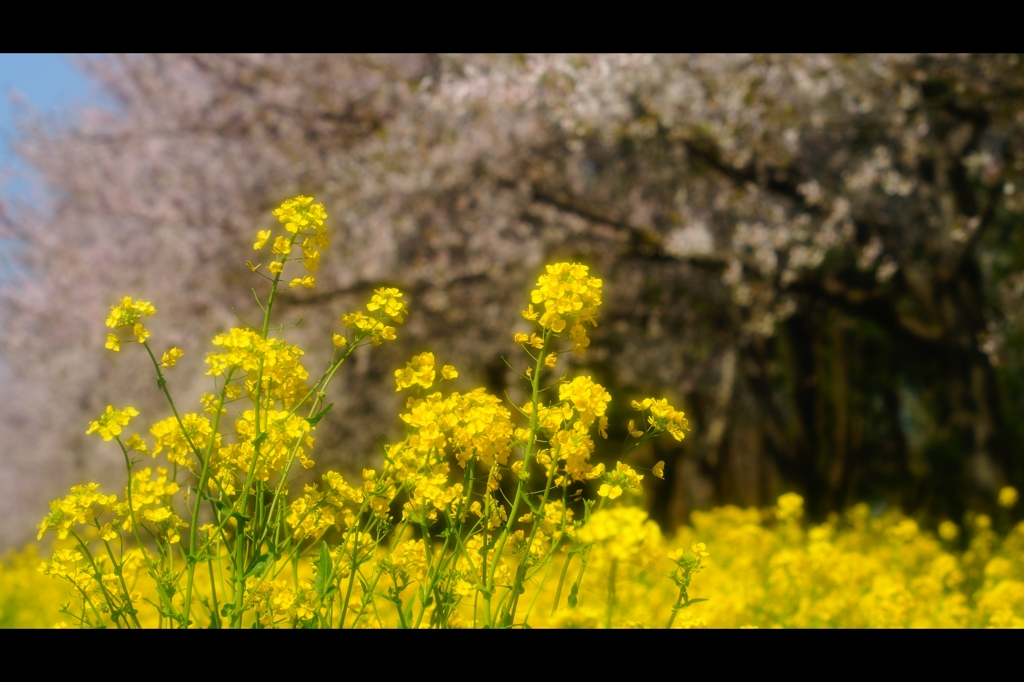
[663,417]
[386,306]
[111,421]
[568,294]
[419,371]
[300,214]
[1008,497]
[282,246]
[790,507]
[306,281]
[171,357]
[129,314]
[135,442]
[948,530]
[589,399]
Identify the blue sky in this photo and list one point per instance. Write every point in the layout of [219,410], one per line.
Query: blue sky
[51,84]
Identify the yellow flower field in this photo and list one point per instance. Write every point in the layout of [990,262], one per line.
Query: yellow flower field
[487,513]
[764,569]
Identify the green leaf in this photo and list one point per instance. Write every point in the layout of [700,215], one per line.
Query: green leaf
[225,508]
[323,570]
[241,517]
[319,415]
[256,565]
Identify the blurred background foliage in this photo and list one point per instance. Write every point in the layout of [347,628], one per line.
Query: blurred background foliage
[818,257]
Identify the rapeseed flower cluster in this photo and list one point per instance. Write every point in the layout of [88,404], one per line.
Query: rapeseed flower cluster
[451,530]
[129,314]
[663,417]
[420,372]
[760,568]
[863,568]
[569,296]
[384,307]
[152,502]
[481,515]
[1007,497]
[301,218]
[81,507]
[111,421]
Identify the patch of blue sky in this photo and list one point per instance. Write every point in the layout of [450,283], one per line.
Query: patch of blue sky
[51,85]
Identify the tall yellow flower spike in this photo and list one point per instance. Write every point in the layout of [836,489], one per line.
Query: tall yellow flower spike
[110,423]
[569,295]
[129,314]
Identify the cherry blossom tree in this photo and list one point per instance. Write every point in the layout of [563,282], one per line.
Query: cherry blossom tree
[818,256]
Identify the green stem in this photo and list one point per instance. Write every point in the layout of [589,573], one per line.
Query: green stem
[204,475]
[533,601]
[675,608]
[295,448]
[568,555]
[379,573]
[215,616]
[239,553]
[348,592]
[164,597]
[124,587]
[584,554]
[561,581]
[611,593]
[162,384]
[579,575]
[98,575]
[86,599]
[525,473]
[521,569]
